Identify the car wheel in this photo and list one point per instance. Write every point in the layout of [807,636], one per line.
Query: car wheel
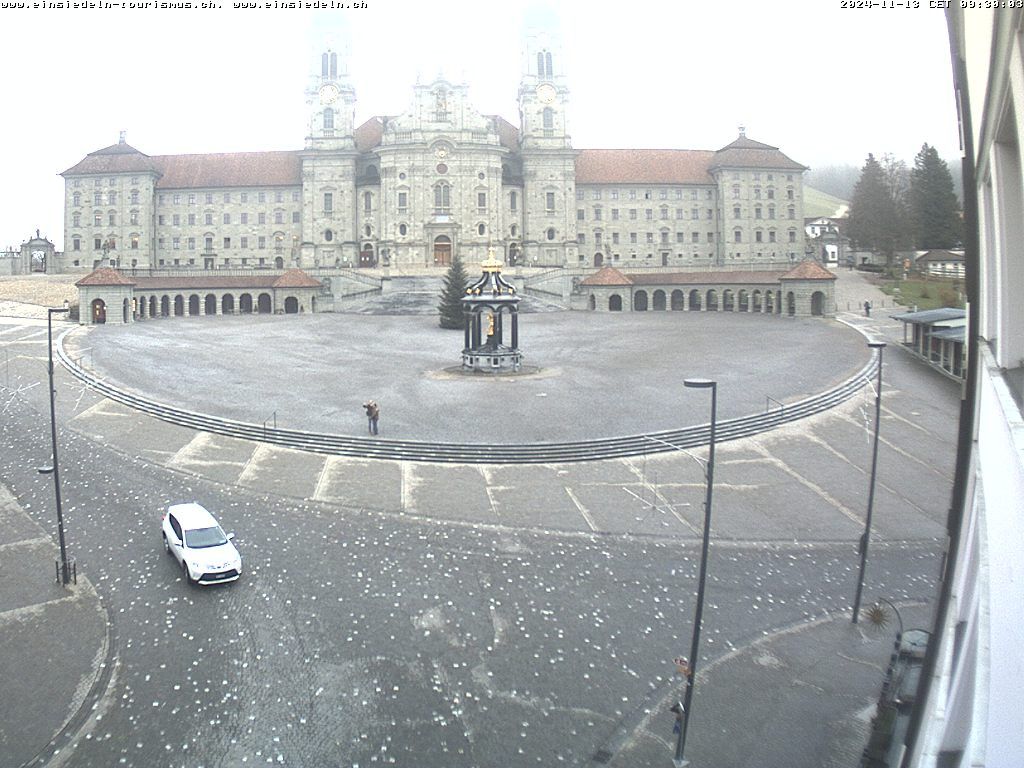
[167,545]
[188,576]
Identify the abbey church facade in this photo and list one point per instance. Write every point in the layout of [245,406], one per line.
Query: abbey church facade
[438,179]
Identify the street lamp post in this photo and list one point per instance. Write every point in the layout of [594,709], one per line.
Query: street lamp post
[65,576]
[691,669]
[880,346]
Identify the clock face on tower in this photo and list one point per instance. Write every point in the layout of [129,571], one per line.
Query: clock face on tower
[328,94]
[546,93]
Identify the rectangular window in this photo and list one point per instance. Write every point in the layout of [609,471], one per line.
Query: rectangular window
[227,218]
[632,194]
[695,213]
[191,219]
[664,237]
[663,194]
[680,213]
[176,243]
[261,217]
[632,214]
[664,213]
[581,238]
[481,201]
[97,198]
[513,201]
[649,214]
[615,194]
[329,202]
[244,218]
[135,197]
[632,237]
[227,197]
[135,243]
[615,214]
[209,219]
[279,197]
[680,237]
[160,198]
[711,213]
[595,195]
[679,194]
[295,217]
[758,236]
[191,198]
[650,237]
[615,238]
[176,220]
[549,200]
[261,197]
[208,243]
[134,217]
[261,242]
[711,237]
[191,243]
[597,214]
[771,236]
[227,243]
[581,215]
[295,195]
[579,194]
[244,243]
[176,198]
[112,197]
[792,236]
[159,219]
[209,198]
[279,217]
[403,200]
[243,197]
[97,243]
[695,237]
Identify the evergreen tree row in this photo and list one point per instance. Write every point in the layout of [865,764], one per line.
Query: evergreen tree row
[894,208]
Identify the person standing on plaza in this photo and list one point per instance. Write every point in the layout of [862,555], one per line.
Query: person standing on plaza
[372,415]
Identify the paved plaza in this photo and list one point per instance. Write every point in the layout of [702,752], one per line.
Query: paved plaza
[420,614]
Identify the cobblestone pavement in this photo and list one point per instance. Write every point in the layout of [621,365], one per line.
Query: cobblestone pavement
[406,613]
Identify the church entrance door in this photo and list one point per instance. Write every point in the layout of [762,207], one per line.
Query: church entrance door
[442,251]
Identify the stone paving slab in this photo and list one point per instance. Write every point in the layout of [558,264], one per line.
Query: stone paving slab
[613,511]
[535,496]
[217,457]
[282,471]
[451,492]
[360,483]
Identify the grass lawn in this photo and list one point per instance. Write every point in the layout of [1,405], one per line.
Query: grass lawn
[925,293]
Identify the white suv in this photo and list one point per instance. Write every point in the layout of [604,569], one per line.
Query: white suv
[205,552]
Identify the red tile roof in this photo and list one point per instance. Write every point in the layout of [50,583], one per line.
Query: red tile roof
[368,135]
[234,169]
[606,276]
[808,270]
[643,166]
[747,153]
[105,276]
[117,158]
[702,278]
[293,278]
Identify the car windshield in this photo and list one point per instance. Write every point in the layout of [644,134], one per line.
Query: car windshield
[205,537]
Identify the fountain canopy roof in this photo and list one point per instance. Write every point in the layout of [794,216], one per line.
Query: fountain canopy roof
[491,290]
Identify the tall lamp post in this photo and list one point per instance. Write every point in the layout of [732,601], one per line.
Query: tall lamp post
[691,667]
[65,576]
[880,346]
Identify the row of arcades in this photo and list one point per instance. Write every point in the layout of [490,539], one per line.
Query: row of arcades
[195,304]
[712,300]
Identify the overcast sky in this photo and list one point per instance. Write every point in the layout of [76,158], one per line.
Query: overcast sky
[825,84]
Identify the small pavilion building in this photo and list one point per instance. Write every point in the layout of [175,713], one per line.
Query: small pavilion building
[489,305]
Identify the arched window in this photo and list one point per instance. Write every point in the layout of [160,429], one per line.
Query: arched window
[334,65]
[367,202]
[402,229]
[547,60]
[551,233]
[481,229]
[549,119]
[442,198]
[328,119]
[323,65]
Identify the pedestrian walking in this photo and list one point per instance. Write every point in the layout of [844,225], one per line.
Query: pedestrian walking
[372,415]
[867,308]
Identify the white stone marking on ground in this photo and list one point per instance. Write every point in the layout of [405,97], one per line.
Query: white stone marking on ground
[31,611]
[906,454]
[583,510]
[251,465]
[103,408]
[908,422]
[409,484]
[36,542]
[186,455]
[322,480]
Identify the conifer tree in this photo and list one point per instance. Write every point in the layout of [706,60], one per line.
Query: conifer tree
[934,207]
[451,295]
[874,220]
